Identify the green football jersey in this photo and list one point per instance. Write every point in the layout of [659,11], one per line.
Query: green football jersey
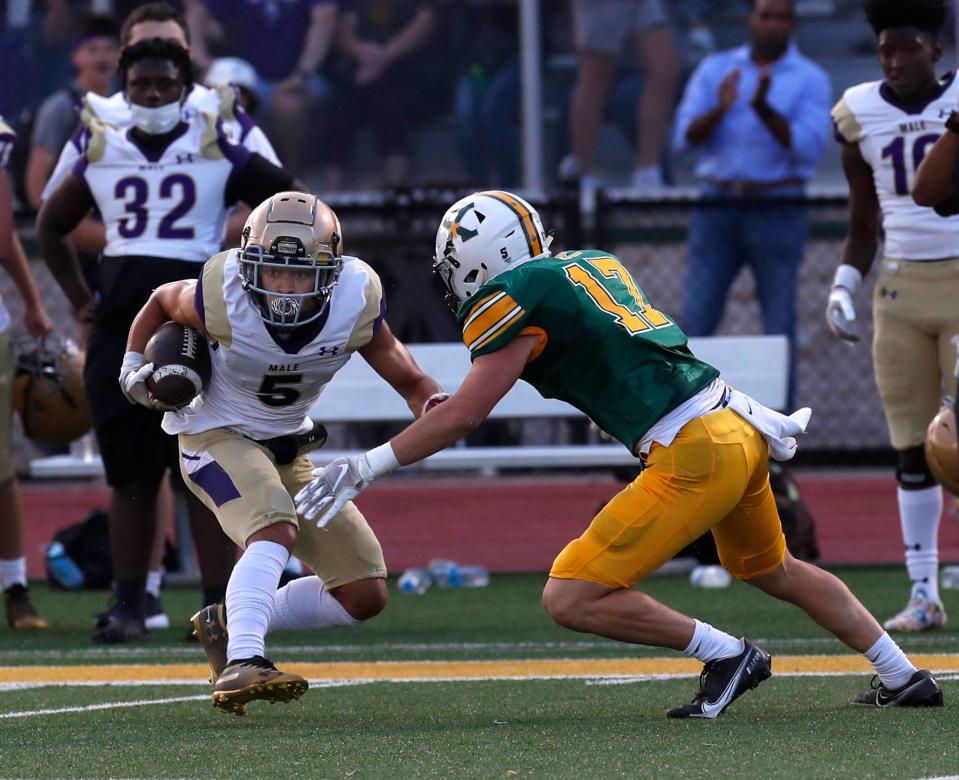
[603,348]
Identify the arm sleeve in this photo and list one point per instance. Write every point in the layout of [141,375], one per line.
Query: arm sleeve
[257,180]
[810,127]
[698,97]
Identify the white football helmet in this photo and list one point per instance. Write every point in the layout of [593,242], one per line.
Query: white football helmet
[483,235]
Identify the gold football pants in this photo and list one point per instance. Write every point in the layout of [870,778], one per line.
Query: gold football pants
[714,476]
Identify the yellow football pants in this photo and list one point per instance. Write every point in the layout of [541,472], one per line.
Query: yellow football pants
[714,476]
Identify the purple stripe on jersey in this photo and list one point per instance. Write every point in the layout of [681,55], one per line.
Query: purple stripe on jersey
[80,166]
[837,135]
[198,299]
[236,154]
[215,482]
[379,320]
[80,138]
[245,121]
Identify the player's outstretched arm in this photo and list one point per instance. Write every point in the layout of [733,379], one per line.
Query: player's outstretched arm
[489,379]
[935,177]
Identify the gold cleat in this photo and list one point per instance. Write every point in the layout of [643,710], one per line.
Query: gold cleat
[21,614]
[254,679]
[209,627]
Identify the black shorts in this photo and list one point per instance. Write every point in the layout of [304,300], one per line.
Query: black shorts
[133,446]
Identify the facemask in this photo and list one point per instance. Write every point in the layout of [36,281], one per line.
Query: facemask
[156,121]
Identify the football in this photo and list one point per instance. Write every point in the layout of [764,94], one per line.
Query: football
[181,364]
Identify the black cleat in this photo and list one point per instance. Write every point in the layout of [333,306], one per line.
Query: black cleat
[116,627]
[922,690]
[725,680]
[21,614]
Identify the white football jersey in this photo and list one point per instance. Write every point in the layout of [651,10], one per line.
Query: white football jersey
[237,125]
[258,388]
[893,139]
[169,204]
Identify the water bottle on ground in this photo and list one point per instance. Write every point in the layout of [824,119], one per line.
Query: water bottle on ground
[949,578]
[415,581]
[710,577]
[450,574]
[62,569]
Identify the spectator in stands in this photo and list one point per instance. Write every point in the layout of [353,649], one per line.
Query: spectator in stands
[385,45]
[96,49]
[759,117]
[286,43]
[602,28]
[488,92]
[20,612]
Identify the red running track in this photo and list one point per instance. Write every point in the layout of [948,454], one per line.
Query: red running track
[520,524]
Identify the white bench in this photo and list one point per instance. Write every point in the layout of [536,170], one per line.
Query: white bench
[757,365]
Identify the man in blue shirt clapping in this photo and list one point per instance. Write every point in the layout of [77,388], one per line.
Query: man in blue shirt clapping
[759,117]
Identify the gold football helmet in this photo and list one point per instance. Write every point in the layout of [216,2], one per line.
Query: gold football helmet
[291,230]
[48,391]
[942,449]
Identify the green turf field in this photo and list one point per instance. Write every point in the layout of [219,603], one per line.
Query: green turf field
[454,684]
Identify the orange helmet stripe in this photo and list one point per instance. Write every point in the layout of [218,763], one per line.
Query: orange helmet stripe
[525,217]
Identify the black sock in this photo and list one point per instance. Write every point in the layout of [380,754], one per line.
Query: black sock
[131,598]
[213,594]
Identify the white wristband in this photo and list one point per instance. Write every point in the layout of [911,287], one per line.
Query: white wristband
[382,460]
[847,276]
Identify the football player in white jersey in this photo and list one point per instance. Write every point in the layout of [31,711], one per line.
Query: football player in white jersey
[886,128]
[160,20]
[20,612]
[162,188]
[283,313]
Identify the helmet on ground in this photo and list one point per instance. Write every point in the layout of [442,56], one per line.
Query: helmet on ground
[291,230]
[483,235]
[942,449]
[48,391]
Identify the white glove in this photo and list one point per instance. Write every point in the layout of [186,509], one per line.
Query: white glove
[342,480]
[133,376]
[840,313]
[434,400]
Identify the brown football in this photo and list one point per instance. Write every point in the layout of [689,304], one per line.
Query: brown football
[181,364]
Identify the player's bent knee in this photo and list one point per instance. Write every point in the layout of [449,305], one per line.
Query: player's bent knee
[912,471]
[280,533]
[362,599]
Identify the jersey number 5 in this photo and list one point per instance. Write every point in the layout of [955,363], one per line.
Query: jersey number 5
[635,315]
[279,389]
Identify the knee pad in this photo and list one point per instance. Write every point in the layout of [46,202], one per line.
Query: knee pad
[913,472]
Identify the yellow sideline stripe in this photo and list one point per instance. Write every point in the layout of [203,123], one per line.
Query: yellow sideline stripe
[460,670]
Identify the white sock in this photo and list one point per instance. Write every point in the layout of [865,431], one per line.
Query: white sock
[249,598]
[154,580]
[710,643]
[890,663]
[305,604]
[648,177]
[919,514]
[13,571]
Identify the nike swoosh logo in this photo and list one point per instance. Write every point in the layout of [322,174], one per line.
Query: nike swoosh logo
[712,709]
[228,677]
[343,469]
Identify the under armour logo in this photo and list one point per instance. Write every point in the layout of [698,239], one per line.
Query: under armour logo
[328,351]
[885,292]
[184,159]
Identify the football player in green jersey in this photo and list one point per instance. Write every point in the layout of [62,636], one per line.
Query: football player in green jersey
[578,328]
